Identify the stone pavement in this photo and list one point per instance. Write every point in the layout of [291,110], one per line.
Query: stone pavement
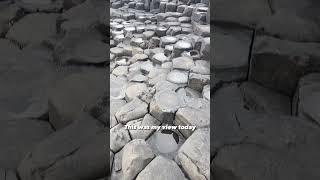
[265,111]
[160,76]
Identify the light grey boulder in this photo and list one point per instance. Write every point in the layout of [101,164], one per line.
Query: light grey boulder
[136,156]
[119,137]
[191,117]
[164,105]
[133,110]
[161,168]
[135,90]
[182,63]
[194,155]
[148,121]
[178,77]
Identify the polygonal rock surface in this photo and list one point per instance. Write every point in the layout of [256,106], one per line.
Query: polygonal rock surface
[264,100]
[192,117]
[133,110]
[82,48]
[198,81]
[136,155]
[33,28]
[182,63]
[289,61]
[135,90]
[161,168]
[178,77]
[54,156]
[83,17]
[194,155]
[119,137]
[149,121]
[69,98]
[26,133]
[164,105]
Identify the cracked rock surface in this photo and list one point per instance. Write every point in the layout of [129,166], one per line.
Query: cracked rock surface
[160,76]
[53,90]
[266,90]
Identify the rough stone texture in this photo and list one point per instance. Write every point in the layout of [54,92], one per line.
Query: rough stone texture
[26,133]
[54,94]
[33,28]
[164,105]
[157,167]
[194,155]
[191,117]
[74,95]
[278,64]
[132,110]
[54,156]
[136,155]
[119,136]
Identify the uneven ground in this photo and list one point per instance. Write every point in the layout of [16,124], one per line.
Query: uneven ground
[265,109]
[53,90]
[159,75]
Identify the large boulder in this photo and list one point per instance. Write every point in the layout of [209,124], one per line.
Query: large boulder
[18,137]
[73,95]
[68,151]
[279,64]
[84,17]
[33,28]
[194,155]
[136,156]
[161,168]
[26,76]
[81,48]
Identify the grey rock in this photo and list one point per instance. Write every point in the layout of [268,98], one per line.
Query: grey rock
[201,67]
[194,156]
[178,77]
[192,117]
[33,28]
[157,166]
[136,155]
[198,81]
[300,57]
[54,156]
[133,110]
[206,92]
[182,63]
[164,105]
[148,120]
[119,137]
[135,90]
[68,99]
[26,134]
[160,58]
[263,100]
